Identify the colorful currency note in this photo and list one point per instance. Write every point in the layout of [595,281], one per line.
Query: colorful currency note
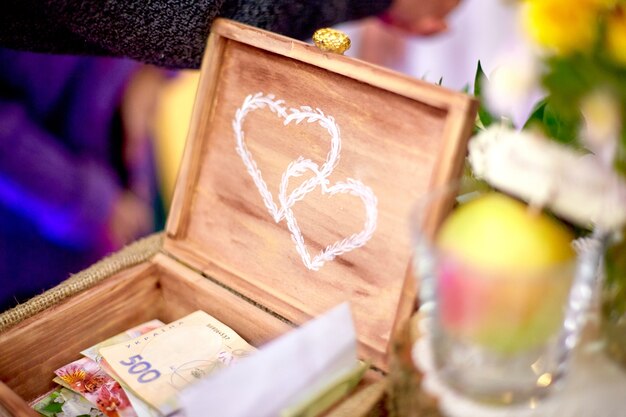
[92,352]
[142,409]
[85,377]
[157,365]
[62,402]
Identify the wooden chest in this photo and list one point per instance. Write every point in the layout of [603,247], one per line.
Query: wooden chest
[299,174]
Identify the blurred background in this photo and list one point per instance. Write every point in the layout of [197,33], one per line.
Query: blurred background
[67,201]
[484,30]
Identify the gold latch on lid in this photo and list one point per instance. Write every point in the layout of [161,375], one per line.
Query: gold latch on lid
[331,40]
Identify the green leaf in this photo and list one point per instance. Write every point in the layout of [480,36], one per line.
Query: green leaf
[536,115]
[53,407]
[554,124]
[568,80]
[560,127]
[478,80]
[486,118]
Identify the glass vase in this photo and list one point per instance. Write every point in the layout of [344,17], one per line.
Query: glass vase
[614,298]
[498,334]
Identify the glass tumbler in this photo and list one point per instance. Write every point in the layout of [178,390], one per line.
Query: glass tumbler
[500,334]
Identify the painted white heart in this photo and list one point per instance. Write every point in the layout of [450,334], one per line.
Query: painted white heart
[298,168]
[351,186]
[260,101]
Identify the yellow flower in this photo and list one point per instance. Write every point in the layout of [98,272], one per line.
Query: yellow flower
[616,35]
[604,4]
[562,25]
[74,376]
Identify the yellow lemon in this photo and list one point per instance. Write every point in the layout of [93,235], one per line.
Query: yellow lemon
[497,231]
[503,274]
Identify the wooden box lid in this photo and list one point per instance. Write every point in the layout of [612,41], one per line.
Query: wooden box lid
[295,155]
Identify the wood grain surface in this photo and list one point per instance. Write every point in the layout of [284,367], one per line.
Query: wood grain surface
[184,292]
[31,351]
[161,288]
[400,137]
[12,405]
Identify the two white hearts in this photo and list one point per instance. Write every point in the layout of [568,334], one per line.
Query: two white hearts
[299,167]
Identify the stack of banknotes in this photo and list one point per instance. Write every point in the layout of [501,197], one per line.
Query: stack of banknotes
[141,371]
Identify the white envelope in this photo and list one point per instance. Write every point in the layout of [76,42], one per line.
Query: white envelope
[282,374]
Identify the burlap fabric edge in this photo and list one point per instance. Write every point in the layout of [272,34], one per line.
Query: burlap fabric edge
[132,254]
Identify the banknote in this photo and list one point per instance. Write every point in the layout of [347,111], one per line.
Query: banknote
[62,402]
[142,409]
[92,352]
[85,377]
[300,373]
[157,365]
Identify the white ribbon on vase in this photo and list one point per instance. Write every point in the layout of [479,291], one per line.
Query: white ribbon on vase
[578,187]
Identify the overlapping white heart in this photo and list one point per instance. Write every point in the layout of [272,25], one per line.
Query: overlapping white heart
[296,169]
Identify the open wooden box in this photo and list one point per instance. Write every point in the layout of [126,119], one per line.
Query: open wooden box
[371,143]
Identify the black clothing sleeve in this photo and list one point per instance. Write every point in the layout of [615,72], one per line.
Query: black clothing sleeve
[169,33]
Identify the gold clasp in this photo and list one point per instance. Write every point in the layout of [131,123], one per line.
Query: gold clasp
[331,40]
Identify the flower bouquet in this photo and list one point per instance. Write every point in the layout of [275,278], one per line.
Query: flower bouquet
[570,154]
[567,159]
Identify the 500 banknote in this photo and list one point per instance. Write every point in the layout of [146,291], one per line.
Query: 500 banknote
[158,364]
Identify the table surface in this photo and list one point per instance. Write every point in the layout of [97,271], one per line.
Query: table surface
[594,386]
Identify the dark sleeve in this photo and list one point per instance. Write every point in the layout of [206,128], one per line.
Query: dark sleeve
[300,18]
[169,33]
[68,197]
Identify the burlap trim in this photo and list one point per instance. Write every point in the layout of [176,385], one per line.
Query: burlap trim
[131,255]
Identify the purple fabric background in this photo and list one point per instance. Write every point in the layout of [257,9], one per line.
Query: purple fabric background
[58,176]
